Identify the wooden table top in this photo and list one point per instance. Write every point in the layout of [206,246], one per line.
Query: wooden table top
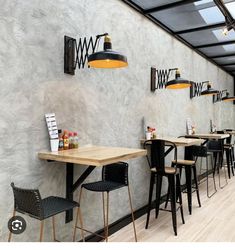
[180,142]
[231,132]
[210,136]
[93,155]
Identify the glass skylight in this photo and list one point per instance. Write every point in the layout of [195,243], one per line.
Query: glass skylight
[221,37]
[211,15]
[231,8]
[229,47]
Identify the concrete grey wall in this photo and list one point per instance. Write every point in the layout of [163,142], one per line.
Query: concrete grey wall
[104,106]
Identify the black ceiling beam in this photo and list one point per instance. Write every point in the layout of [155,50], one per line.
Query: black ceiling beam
[168,6]
[219,56]
[214,44]
[224,10]
[227,64]
[213,26]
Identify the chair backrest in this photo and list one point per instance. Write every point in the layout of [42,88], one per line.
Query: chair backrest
[159,149]
[229,139]
[28,201]
[199,151]
[213,145]
[116,172]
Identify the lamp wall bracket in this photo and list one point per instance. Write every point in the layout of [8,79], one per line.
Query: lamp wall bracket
[159,77]
[196,89]
[219,96]
[76,52]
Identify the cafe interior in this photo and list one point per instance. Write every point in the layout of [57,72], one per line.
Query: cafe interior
[118,121]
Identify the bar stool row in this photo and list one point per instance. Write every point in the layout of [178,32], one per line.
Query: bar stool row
[159,150]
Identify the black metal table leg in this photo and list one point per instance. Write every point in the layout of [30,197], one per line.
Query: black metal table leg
[71,186]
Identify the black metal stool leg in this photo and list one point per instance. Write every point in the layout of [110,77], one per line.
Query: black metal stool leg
[107,218]
[179,195]
[171,179]
[167,197]
[231,159]
[158,194]
[196,184]
[228,163]
[207,182]
[150,198]
[189,188]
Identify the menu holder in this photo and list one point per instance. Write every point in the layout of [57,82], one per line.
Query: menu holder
[51,125]
[189,126]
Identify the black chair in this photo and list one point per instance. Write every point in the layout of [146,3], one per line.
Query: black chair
[159,149]
[29,201]
[114,176]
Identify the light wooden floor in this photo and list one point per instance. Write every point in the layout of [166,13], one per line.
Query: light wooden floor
[214,221]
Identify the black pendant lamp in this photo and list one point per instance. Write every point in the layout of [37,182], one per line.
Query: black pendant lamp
[228,98]
[178,82]
[107,58]
[209,90]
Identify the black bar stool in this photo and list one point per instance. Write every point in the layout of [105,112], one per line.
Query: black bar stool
[29,201]
[114,176]
[228,148]
[190,167]
[203,152]
[159,150]
[217,149]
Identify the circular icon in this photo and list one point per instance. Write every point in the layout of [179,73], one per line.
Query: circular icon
[17,225]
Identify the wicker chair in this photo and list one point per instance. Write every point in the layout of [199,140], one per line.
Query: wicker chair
[29,201]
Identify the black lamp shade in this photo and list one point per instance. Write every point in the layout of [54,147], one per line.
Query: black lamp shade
[228,98]
[178,82]
[107,59]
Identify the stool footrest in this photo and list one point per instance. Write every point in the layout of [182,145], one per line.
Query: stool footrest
[101,236]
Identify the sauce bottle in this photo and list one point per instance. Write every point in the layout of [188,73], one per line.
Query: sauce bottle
[75,140]
[61,140]
[66,140]
[71,141]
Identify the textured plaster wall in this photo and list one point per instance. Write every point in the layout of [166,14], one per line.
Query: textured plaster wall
[104,106]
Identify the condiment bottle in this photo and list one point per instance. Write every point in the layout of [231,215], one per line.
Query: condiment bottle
[61,140]
[75,140]
[66,140]
[71,140]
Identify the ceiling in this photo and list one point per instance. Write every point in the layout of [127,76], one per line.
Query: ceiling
[198,24]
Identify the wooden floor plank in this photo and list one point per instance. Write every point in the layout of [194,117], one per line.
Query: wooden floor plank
[213,222]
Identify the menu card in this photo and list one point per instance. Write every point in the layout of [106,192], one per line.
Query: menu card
[51,125]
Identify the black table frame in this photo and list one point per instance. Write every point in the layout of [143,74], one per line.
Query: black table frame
[71,186]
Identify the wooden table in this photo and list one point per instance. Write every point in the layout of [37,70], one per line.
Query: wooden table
[93,156]
[230,132]
[180,142]
[209,136]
